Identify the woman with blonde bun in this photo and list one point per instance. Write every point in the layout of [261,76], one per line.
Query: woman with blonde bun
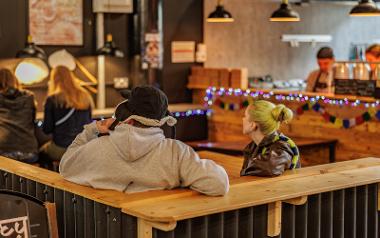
[270,153]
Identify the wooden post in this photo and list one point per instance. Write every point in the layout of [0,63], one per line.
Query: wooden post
[52,219]
[144,229]
[274,218]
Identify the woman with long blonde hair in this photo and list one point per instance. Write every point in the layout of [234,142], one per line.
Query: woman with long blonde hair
[67,109]
[270,153]
[17,115]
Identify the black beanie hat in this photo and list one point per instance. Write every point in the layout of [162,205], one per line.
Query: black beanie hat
[144,101]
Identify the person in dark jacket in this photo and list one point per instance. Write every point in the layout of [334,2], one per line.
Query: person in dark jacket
[67,110]
[17,115]
[270,153]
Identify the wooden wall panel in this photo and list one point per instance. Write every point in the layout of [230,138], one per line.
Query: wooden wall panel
[353,143]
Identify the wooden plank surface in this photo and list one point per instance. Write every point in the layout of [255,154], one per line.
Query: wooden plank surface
[252,194]
[356,142]
[178,204]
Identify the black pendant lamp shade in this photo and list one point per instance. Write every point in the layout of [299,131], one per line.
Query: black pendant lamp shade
[110,49]
[285,13]
[31,51]
[365,8]
[220,14]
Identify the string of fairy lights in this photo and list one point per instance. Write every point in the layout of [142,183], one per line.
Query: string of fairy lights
[214,97]
[298,97]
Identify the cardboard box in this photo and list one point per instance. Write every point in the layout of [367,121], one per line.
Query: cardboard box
[239,78]
[224,78]
[213,75]
[193,80]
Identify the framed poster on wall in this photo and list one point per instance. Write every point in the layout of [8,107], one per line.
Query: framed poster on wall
[56,22]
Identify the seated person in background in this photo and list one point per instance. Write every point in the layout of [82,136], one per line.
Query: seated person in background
[67,110]
[17,115]
[372,54]
[322,79]
[270,153]
[136,156]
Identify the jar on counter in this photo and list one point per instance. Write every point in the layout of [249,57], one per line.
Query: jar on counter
[342,71]
[361,71]
[375,75]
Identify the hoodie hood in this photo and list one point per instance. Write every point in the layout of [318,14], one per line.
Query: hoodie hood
[14,99]
[133,143]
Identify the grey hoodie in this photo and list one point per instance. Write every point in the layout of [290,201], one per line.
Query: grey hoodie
[133,159]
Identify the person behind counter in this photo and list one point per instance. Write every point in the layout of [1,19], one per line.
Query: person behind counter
[136,156]
[67,110]
[372,54]
[322,79]
[270,153]
[17,115]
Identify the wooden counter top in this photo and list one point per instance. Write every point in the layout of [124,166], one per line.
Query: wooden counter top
[179,204]
[108,112]
[350,98]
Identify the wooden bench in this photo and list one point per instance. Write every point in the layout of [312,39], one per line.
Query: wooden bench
[236,147]
[183,211]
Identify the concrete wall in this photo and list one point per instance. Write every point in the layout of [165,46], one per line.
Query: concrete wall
[254,42]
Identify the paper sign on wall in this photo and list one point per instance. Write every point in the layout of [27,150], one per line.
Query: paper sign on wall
[183,51]
[152,51]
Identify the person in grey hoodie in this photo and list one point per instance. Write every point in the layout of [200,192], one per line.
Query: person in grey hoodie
[136,156]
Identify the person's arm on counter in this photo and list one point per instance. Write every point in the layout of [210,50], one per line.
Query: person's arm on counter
[202,175]
[80,154]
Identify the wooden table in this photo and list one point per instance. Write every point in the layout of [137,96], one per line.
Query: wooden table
[236,147]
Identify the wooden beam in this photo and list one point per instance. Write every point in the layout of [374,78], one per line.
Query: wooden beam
[86,72]
[144,229]
[52,219]
[297,201]
[274,218]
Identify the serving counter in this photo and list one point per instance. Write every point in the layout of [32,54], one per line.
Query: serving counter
[353,121]
[332,200]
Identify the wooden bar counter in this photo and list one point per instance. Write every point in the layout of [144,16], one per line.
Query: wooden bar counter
[331,200]
[357,141]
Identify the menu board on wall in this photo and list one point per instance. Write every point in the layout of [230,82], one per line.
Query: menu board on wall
[355,87]
[56,22]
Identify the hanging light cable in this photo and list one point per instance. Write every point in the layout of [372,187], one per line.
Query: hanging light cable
[285,13]
[220,14]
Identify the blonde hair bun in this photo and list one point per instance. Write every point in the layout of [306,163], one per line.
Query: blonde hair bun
[281,113]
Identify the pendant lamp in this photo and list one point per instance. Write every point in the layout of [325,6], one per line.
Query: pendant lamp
[220,14]
[285,13]
[110,49]
[365,8]
[31,50]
